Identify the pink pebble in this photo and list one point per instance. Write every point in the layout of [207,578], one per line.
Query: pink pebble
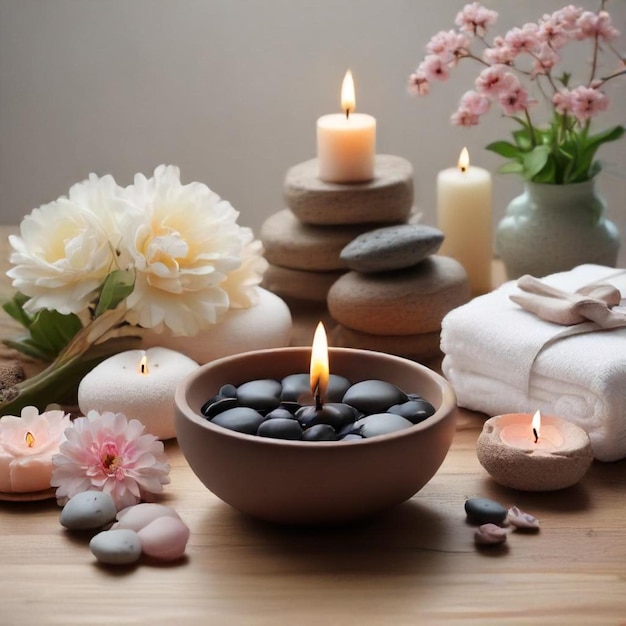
[165,538]
[140,515]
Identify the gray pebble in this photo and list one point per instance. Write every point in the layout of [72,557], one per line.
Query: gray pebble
[373,396]
[262,395]
[484,511]
[381,424]
[392,248]
[88,510]
[320,432]
[242,419]
[415,411]
[280,428]
[296,385]
[117,547]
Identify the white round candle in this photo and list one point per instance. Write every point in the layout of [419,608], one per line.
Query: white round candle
[464,216]
[139,388]
[346,142]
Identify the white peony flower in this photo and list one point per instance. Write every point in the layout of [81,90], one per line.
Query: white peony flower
[182,242]
[66,248]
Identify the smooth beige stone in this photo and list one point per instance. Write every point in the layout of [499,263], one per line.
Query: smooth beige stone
[387,198]
[420,347]
[290,243]
[403,302]
[530,469]
[299,284]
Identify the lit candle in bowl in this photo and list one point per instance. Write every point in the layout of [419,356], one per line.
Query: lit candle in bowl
[534,453]
[464,216]
[346,142]
[27,445]
[138,383]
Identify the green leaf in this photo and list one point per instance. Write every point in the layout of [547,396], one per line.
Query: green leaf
[512,167]
[117,286]
[26,346]
[51,331]
[535,160]
[522,139]
[15,308]
[505,149]
[547,174]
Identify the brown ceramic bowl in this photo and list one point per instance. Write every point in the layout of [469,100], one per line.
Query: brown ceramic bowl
[298,482]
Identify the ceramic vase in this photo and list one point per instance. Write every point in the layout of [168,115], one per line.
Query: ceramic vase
[554,228]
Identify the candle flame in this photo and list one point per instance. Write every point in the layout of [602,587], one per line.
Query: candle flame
[30,439]
[536,425]
[143,365]
[319,364]
[348,97]
[464,161]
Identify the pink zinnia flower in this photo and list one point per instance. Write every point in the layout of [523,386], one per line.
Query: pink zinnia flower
[109,453]
[475,18]
[587,102]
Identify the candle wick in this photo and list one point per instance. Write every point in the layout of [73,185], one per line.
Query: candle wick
[463,168]
[347,113]
[536,434]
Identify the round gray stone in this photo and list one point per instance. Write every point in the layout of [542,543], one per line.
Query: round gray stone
[381,424]
[485,511]
[387,198]
[117,547]
[373,396]
[391,248]
[88,510]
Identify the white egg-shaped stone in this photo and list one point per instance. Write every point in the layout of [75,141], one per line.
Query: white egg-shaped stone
[140,515]
[88,510]
[165,538]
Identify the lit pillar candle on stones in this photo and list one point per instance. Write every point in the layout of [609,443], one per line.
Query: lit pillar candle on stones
[346,142]
[464,216]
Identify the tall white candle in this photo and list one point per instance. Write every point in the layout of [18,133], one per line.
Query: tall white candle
[464,216]
[346,142]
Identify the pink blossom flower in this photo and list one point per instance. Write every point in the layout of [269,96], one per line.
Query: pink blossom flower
[463,117]
[545,59]
[433,68]
[499,53]
[563,101]
[109,453]
[515,100]
[475,18]
[474,102]
[449,46]
[418,84]
[552,32]
[596,25]
[524,39]
[588,102]
[496,79]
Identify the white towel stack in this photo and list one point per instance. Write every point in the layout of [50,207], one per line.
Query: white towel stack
[501,358]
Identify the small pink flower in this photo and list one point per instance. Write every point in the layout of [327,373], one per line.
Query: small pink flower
[552,32]
[475,18]
[545,59]
[596,25]
[588,102]
[495,79]
[449,46]
[515,101]
[525,39]
[109,453]
[563,101]
[433,68]
[474,102]
[500,53]
[418,84]
[463,117]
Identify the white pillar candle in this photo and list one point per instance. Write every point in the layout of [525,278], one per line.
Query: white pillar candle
[464,217]
[140,384]
[346,142]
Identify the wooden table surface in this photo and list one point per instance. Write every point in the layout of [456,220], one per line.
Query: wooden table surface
[416,564]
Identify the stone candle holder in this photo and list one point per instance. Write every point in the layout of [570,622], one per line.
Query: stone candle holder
[517,461]
[302,482]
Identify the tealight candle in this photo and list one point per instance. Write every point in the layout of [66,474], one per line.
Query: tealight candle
[346,142]
[464,216]
[140,384]
[534,453]
[27,445]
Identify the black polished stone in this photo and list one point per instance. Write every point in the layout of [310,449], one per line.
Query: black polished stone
[242,419]
[280,428]
[484,511]
[297,385]
[263,395]
[280,413]
[320,432]
[219,406]
[228,391]
[374,396]
[310,416]
[415,411]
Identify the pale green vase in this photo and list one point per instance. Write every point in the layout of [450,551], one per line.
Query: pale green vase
[554,228]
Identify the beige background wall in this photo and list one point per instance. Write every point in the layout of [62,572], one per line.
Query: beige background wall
[229,90]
